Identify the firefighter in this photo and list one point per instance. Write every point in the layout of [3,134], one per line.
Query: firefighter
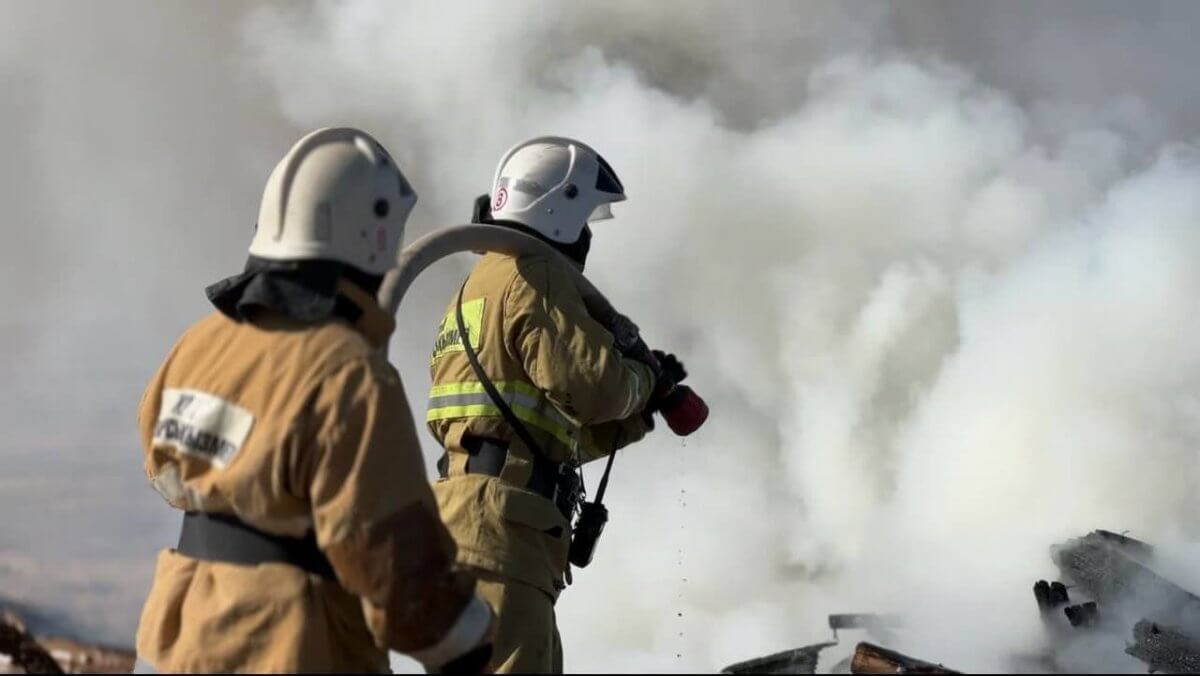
[509,483]
[310,538]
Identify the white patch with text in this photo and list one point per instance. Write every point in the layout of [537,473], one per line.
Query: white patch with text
[202,425]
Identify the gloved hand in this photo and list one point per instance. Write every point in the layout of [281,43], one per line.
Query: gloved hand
[670,372]
[671,366]
[647,415]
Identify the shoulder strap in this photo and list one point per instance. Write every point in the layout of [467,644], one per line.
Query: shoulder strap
[488,385]
[608,468]
[505,410]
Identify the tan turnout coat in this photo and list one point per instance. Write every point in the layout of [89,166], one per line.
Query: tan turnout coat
[558,370]
[294,427]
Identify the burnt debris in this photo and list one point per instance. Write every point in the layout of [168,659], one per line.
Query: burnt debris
[1109,588]
[798,661]
[21,652]
[873,659]
[1165,650]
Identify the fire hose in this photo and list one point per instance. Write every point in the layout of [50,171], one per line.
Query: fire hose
[682,409]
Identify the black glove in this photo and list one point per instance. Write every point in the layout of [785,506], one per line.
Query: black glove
[648,418]
[671,366]
[670,373]
[473,662]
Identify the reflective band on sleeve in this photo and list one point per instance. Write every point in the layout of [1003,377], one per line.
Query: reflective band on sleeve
[469,400]
[635,393]
[473,387]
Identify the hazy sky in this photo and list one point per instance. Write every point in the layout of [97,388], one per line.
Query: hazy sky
[927,261]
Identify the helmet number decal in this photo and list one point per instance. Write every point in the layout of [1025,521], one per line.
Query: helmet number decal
[501,199]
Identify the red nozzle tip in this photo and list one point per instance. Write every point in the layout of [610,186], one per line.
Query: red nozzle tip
[686,412]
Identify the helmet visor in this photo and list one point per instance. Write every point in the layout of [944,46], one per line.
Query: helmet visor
[602,212]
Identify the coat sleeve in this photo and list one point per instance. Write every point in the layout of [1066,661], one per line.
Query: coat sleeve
[602,439]
[154,461]
[566,354]
[377,522]
[147,413]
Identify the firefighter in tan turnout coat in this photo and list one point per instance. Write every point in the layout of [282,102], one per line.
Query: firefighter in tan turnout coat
[311,540]
[577,398]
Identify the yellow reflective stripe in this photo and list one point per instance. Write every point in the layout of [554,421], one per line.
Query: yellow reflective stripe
[475,387]
[531,400]
[469,411]
[469,399]
[491,411]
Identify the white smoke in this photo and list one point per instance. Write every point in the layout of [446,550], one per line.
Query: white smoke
[936,337]
[940,301]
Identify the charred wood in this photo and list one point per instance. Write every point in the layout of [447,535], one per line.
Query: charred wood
[873,659]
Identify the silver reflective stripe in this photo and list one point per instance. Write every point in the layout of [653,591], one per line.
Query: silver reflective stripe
[632,397]
[538,405]
[524,185]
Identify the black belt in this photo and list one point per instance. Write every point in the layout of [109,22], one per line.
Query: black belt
[551,480]
[222,537]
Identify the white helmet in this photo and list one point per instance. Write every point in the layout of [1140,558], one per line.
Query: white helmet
[554,185]
[337,195]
